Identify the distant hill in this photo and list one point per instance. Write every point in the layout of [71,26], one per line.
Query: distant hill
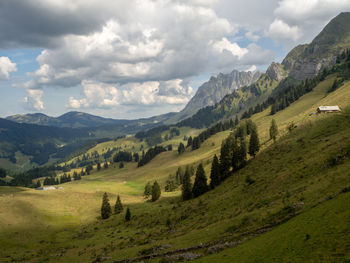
[37,139]
[212,91]
[75,119]
[37,144]
[71,119]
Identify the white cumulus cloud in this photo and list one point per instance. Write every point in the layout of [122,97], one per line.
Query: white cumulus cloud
[6,66]
[282,32]
[100,95]
[33,101]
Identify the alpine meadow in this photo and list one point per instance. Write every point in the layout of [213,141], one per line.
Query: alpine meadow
[249,165]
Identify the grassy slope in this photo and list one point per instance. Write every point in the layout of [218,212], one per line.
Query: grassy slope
[35,225]
[319,235]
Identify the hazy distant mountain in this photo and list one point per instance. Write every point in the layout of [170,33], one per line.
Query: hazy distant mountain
[76,119]
[70,119]
[215,89]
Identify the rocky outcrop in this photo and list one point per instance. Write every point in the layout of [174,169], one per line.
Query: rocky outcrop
[306,61]
[216,88]
[275,71]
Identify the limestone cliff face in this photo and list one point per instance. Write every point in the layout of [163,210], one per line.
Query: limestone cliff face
[216,88]
[306,61]
[275,71]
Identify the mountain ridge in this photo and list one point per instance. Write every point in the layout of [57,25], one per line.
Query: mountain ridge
[214,90]
[76,119]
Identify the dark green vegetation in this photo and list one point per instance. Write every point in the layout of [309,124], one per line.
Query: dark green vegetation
[150,154]
[118,207]
[155,191]
[106,209]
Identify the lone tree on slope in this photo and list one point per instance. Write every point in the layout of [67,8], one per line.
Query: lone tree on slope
[118,208]
[128,214]
[254,144]
[155,191]
[106,207]
[273,130]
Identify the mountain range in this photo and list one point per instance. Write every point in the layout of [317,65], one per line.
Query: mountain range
[220,98]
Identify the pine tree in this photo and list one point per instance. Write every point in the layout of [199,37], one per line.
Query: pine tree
[195,143]
[181,148]
[189,141]
[105,165]
[200,185]
[155,191]
[121,165]
[225,158]
[136,157]
[38,184]
[118,207]
[106,207]
[186,186]
[127,214]
[254,144]
[273,130]
[148,190]
[215,173]
[98,166]
[242,153]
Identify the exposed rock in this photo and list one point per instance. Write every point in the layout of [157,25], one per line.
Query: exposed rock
[306,61]
[275,71]
[212,91]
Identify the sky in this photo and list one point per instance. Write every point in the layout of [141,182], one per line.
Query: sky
[140,58]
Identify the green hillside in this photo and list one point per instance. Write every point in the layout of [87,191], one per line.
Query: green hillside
[299,177]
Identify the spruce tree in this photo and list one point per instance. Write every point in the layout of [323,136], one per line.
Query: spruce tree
[155,191]
[254,144]
[195,143]
[127,214]
[121,165]
[148,190]
[181,148]
[215,173]
[98,166]
[242,153]
[225,157]
[106,207]
[118,207]
[189,141]
[273,130]
[200,185]
[186,186]
[38,184]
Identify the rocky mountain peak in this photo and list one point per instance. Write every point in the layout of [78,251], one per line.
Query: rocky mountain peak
[215,89]
[305,61]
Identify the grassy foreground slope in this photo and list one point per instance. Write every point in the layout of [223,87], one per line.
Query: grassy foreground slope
[319,235]
[296,175]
